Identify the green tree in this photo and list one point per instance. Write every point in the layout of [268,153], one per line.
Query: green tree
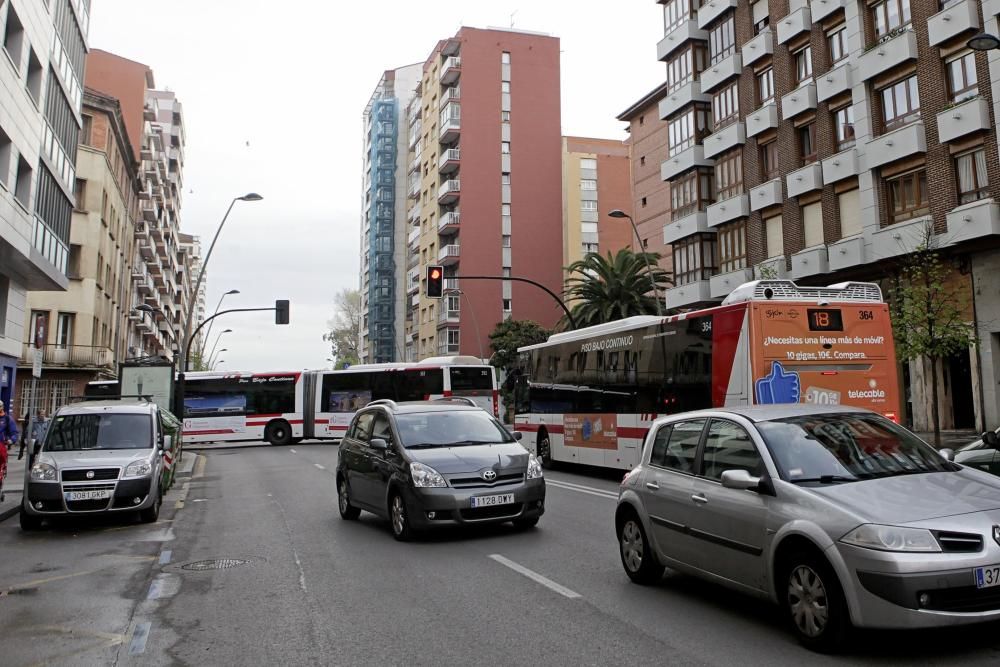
[344,335]
[504,341]
[929,315]
[613,287]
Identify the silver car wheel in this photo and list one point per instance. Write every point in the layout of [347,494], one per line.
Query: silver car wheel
[398,515]
[807,601]
[632,546]
[342,498]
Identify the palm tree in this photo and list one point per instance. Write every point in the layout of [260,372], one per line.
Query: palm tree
[613,287]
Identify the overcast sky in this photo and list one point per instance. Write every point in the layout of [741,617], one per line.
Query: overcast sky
[273,94]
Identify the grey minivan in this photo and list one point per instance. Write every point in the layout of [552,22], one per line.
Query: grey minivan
[431,463]
[839,515]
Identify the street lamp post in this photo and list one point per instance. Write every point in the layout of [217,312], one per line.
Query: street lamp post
[208,331]
[216,343]
[984,42]
[211,364]
[250,196]
[618,213]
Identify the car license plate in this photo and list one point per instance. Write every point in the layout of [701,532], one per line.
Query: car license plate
[987,577]
[88,495]
[491,501]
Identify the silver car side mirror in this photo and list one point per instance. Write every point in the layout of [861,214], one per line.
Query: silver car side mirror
[739,479]
[947,454]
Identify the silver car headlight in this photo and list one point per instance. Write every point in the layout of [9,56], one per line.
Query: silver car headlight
[43,472]
[138,469]
[426,476]
[892,538]
[534,467]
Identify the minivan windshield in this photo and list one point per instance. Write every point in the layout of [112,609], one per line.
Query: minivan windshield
[99,431]
[834,448]
[449,429]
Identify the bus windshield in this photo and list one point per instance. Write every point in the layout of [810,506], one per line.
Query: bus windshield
[72,433]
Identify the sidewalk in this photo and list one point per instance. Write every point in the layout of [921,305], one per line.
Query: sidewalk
[13,485]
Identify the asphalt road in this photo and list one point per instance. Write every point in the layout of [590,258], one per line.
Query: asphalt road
[305,587]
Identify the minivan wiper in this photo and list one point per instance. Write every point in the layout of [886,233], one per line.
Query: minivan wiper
[826,479]
[427,445]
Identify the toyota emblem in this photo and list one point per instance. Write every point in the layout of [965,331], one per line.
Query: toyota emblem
[90,474]
[996,534]
[490,475]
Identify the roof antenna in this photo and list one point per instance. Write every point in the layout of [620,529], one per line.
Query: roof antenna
[512,19]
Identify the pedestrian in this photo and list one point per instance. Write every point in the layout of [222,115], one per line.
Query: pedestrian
[40,427]
[8,434]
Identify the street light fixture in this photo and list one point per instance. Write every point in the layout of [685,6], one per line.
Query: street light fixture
[618,213]
[984,42]
[204,340]
[210,363]
[216,344]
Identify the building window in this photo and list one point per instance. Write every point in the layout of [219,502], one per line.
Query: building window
[64,330]
[505,116]
[683,67]
[729,174]
[774,237]
[837,43]
[812,224]
[765,86]
[732,246]
[676,12]
[588,163]
[694,258]
[803,64]
[900,103]
[505,147]
[505,178]
[722,40]
[35,73]
[769,160]
[22,183]
[843,120]
[850,213]
[973,180]
[6,152]
[690,193]
[505,57]
[588,205]
[506,305]
[888,15]
[726,106]
[80,194]
[505,240]
[86,129]
[73,266]
[907,195]
[588,184]
[962,79]
[643,202]
[807,143]
[759,15]
[13,37]
[687,129]
[642,160]
[505,86]
[642,119]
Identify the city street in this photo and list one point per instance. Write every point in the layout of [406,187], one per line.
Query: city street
[290,583]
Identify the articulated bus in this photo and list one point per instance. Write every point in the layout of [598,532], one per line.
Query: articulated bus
[588,396]
[282,408]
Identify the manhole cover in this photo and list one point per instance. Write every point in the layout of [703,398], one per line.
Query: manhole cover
[216,564]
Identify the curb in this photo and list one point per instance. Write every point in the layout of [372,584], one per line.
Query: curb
[16,507]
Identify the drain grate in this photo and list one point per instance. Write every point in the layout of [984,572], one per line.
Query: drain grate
[216,564]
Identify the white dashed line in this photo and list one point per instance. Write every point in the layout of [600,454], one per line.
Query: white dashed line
[319,466]
[293,451]
[139,637]
[165,557]
[600,493]
[534,576]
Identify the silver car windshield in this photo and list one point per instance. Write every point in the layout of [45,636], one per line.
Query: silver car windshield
[102,431]
[449,429]
[846,448]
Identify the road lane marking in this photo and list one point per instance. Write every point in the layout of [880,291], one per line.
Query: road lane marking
[534,576]
[293,451]
[139,637]
[199,467]
[165,556]
[319,466]
[600,493]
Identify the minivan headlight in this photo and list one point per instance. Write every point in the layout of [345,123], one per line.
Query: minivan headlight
[892,538]
[534,467]
[426,476]
[43,472]
[138,469]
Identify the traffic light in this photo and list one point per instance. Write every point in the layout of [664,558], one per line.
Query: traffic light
[435,282]
[281,311]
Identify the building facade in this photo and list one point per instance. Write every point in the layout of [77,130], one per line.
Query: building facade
[820,141]
[41,90]
[596,179]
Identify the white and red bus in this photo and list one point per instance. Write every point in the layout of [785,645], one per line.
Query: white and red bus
[588,396]
[334,396]
[220,407]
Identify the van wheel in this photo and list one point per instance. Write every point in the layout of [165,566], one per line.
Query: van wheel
[278,433]
[815,602]
[637,555]
[152,513]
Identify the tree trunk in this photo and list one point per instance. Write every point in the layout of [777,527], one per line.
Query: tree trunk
[934,403]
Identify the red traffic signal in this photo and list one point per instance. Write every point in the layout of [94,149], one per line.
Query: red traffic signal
[435,282]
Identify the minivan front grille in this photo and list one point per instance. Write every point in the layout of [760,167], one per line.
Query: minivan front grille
[959,542]
[87,505]
[100,486]
[80,474]
[480,483]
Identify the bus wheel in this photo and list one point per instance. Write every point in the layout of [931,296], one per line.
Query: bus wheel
[545,452]
[278,433]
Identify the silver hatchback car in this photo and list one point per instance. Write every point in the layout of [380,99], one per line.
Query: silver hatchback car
[839,515]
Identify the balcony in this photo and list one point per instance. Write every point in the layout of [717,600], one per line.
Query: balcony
[449,192]
[447,317]
[448,254]
[719,73]
[728,210]
[768,194]
[697,292]
[758,47]
[146,248]
[677,37]
[680,98]
[449,161]
[963,119]
[840,166]
[444,347]
[952,21]
[414,132]
[451,283]
[451,47]
[413,215]
[413,192]
[722,284]
[712,10]
[974,221]
[450,125]
[846,253]
[764,118]
[810,262]
[806,179]
[69,356]
[448,223]
[820,9]
[896,145]
[451,69]
[415,296]
[887,54]
[731,135]
[899,239]
[771,268]
[834,82]
[799,101]
[684,227]
[413,236]
[452,94]
[795,23]
[413,281]
[685,160]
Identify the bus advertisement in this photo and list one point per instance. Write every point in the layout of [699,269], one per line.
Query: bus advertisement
[588,396]
[243,406]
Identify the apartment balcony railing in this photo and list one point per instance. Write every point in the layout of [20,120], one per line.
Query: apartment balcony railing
[451,123]
[448,223]
[75,356]
[450,94]
[449,191]
[448,348]
[451,69]
[449,160]
[448,254]
[446,316]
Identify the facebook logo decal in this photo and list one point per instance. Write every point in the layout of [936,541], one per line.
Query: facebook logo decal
[778,386]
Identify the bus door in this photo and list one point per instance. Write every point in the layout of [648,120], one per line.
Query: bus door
[836,354]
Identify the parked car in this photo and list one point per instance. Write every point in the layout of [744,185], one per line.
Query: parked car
[839,515]
[431,463]
[982,454]
[102,457]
